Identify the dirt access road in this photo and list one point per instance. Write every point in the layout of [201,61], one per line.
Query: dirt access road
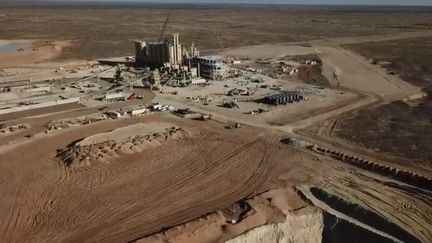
[357,73]
[348,69]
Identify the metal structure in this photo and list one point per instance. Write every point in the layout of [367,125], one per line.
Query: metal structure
[157,54]
[212,67]
[163,28]
[114,96]
[283,98]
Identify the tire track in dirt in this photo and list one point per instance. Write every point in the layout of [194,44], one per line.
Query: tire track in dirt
[222,157]
[397,205]
[9,223]
[133,195]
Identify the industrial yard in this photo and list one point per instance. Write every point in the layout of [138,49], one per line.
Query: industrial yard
[176,138]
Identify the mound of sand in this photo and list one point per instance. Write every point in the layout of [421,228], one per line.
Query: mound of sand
[106,147]
[307,227]
[123,133]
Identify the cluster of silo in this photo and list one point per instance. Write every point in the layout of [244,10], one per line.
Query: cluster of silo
[283,98]
[156,54]
[140,51]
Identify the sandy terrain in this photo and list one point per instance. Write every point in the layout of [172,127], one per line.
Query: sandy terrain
[355,73]
[204,157]
[297,228]
[264,216]
[268,51]
[35,53]
[138,129]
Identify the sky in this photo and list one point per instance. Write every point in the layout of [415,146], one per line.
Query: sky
[324,2]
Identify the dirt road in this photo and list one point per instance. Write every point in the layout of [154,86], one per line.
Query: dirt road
[355,72]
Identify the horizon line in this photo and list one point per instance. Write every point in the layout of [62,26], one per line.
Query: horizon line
[136,2]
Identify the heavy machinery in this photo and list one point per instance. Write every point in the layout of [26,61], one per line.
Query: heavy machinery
[236,125]
[230,104]
[119,75]
[163,28]
[206,117]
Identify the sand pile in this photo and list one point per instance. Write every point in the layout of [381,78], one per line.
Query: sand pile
[306,227]
[124,133]
[103,148]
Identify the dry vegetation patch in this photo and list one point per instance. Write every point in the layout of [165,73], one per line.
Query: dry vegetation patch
[398,128]
[103,32]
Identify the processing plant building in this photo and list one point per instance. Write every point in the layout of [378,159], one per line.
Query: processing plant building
[160,53]
[170,53]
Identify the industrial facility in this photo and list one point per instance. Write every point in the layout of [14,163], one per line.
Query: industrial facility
[163,53]
[283,98]
[173,55]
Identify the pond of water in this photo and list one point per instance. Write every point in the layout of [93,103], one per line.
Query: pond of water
[12,47]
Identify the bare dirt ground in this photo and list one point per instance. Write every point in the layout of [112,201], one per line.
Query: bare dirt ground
[37,51]
[129,179]
[354,72]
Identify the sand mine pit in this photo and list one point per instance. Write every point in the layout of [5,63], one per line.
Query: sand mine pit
[107,147]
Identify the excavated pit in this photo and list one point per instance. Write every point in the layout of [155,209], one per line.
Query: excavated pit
[337,230]
[360,214]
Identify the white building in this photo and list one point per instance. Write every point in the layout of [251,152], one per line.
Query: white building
[114,96]
[212,67]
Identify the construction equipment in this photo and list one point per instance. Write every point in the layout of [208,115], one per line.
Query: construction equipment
[230,104]
[236,125]
[119,74]
[163,28]
[134,96]
[206,117]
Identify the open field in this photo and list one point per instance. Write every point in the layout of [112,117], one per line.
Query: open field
[398,128]
[408,58]
[106,32]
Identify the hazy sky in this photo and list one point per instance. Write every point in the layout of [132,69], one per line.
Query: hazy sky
[333,2]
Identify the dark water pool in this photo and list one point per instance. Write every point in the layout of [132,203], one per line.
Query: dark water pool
[12,47]
[361,214]
[337,230]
